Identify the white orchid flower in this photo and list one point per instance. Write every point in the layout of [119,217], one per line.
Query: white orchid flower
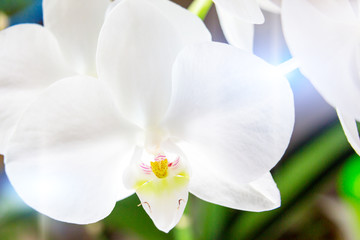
[237,19]
[170,113]
[33,57]
[323,37]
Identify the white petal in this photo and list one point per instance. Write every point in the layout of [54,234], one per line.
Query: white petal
[211,185]
[68,153]
[246,10]
[137,47]
[237,32]
[164,200]
[76,24]
[348,123]
[339,10]
[326,46]
[269,5]
[26,68]
[232,107]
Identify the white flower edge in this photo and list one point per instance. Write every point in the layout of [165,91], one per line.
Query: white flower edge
[328,40]
[349,126]
[239,29]
[237,32]
[270,6]
[328,35]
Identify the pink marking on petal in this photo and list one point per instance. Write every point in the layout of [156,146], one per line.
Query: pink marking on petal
[174,163]
[159,158]
[145,168]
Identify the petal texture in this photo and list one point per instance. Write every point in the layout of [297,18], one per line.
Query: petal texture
[232,108]
[67,155]
[348,123]
[30,60]
[246,10]
[137,59]
[326,46]
[211,185]
[237,32]
[76,24]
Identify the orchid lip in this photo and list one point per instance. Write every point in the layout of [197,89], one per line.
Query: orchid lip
[162,188]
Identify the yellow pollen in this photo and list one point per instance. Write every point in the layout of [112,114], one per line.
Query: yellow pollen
[160,168]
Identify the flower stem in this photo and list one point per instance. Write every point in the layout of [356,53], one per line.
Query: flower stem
[200,7]
[43,227]
[4,21]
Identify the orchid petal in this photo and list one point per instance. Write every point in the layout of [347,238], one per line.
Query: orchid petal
[269,5]
[137,60]
[348,123]
[213,186]
[233,108]
[26,68]
[245,10]
[76,25]
[326,46]
[237,32]
[67,155]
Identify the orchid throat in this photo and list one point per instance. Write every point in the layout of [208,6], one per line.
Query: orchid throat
[162,187]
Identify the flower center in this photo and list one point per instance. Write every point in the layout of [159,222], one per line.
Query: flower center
[160,166]
[162,186]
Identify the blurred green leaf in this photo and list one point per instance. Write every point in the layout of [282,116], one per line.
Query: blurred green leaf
[209,219]
[11,206]
[11,7]
[304,217]
[183,230]
[349,179]
[127,216]
[296,174]
[23,228]
[349,190]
